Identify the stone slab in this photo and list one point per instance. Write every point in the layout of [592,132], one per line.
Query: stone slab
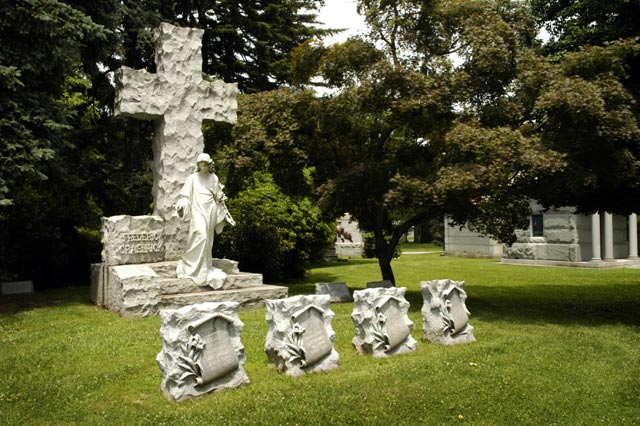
[444,313]
[132,240]
[16,287]
[300,339]
[233,281]
[380,284]
[338,292]
[381,320]
[248,298]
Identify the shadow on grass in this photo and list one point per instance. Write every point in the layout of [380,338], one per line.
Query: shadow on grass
[558,304]
[552,303]
[11,304]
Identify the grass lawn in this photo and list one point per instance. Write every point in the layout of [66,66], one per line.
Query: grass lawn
[555,346]
[420,247]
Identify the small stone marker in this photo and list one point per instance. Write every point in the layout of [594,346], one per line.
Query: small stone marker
[444,312]
[201,350]
[16,287]
[380,284]
[300,338]
[337,291]
[383,327]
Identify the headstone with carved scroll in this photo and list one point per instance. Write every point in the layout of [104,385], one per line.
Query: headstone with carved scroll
[383,327]
[201,350]
[444,312]
[300,338]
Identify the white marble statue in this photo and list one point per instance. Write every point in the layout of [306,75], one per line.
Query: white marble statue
[202,203]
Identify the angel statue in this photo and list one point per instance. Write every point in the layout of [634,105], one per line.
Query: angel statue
[202,202]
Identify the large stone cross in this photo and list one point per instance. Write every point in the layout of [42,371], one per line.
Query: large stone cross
[179,97]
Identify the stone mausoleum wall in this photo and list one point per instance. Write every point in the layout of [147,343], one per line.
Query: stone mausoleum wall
[566,237]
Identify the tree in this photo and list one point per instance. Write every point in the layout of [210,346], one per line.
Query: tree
[408,136]
[270,184]
[42,42]
[586,106]
[43,106]
[65,161]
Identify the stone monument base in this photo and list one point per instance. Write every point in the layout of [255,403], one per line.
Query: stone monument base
[144,289]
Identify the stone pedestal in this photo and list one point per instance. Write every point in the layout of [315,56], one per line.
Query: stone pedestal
[300,338]
[383,327]
[135,280]
[143,290]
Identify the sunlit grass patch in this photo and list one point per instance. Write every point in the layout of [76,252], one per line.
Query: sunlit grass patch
[554,346]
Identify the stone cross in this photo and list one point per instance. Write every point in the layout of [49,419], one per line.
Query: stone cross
[178,98]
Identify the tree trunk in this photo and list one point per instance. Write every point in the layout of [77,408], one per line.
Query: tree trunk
[385,249]
[386,270]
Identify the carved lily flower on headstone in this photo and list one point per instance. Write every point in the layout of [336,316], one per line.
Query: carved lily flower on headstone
[190,362]
[294,345]
[380,333]
[448,327]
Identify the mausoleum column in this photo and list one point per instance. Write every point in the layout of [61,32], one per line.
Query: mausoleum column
[595,236]
[633,236]
[608,236]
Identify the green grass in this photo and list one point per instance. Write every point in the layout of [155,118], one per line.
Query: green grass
[419,247]
[555,346]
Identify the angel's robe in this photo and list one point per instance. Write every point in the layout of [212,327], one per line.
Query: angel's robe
[202,200]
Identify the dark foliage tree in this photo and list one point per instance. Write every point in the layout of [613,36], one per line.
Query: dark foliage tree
[64,160]
[586,102]
[47,49]
[271,183]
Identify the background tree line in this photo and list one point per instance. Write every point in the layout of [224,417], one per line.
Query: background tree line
[447,106]
[65,161]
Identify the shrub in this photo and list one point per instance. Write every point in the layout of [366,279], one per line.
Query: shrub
[275,234]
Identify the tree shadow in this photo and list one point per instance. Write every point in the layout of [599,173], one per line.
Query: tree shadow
[558,304]
[14,303]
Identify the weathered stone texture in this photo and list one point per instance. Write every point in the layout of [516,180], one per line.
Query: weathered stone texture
[142,290]
[300,338]
[133,290]
[132,239]
[444,312]
[201,350]
[382,324]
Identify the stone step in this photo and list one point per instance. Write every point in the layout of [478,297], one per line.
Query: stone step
[242,280]
[250,297]
[234,281]
[167,269]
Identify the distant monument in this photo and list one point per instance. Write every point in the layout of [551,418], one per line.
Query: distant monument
[137,276]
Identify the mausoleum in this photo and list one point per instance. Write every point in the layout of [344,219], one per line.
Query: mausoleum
[556,237]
